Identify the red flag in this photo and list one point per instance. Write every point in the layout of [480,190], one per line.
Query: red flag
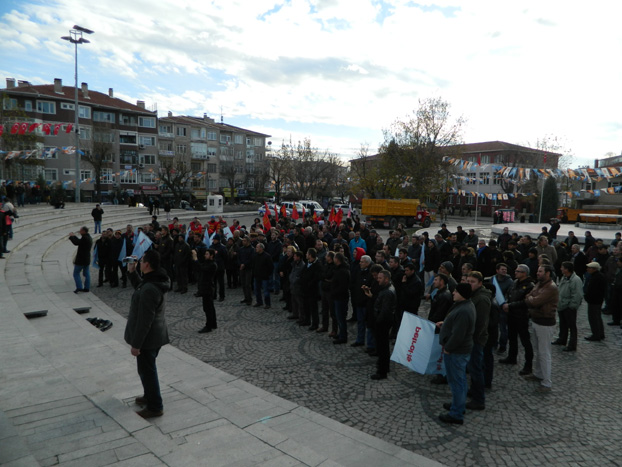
[57,128]
[545,158]
[339,216]
[22,128]
[68,128]
[1,129]
[46,128]
[314,217]
[15,128]
[33,127]
[276,214]
[303,212]
[331,216]
[479,159]
[295,212]
[266,222]
[283,211]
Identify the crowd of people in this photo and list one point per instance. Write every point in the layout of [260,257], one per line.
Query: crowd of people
[484,296]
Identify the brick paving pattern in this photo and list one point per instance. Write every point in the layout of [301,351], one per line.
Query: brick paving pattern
[576,424]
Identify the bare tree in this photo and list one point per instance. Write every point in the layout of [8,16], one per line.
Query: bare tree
[100,154]
[375,176]
[310,171]
[236,174]
[413,147]
[279,165]
[175,174]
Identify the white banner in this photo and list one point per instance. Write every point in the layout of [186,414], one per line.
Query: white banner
[417,346]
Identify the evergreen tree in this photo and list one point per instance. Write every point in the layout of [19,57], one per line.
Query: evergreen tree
[550,200]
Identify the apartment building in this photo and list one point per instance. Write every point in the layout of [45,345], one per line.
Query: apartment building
[217,154]
[119,138]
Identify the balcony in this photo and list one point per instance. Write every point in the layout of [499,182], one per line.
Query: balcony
[204,157]
[166,135]
[164,153]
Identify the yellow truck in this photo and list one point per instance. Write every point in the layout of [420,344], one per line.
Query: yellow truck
[388,213]
[568,215]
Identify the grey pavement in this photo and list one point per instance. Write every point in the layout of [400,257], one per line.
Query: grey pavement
[67,389]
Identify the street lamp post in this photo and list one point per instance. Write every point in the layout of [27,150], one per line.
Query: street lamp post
[75,37]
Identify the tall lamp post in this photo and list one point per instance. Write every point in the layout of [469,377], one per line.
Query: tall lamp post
[75,37]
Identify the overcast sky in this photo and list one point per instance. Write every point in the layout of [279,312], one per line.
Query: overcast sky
[339,71]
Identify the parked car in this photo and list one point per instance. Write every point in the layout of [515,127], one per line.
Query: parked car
[311,206]
[271,206]
[344,208]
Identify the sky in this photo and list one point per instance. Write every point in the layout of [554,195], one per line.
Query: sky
[341,71]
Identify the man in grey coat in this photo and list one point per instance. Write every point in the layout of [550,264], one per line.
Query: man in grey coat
[146,330]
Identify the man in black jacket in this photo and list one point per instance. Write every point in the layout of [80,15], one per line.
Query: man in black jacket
[409,297]
[594,295]
[207,271]
[82,261]
[384,309]
[103,251]
[97,214]
[221,262]
[262,271]
[340,295]
[361,277]
[245,260]
[146,330]
[310,279]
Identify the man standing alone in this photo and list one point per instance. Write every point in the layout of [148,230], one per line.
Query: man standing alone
[97,214]
[146,330]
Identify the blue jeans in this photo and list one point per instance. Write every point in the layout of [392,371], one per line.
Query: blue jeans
[503,330]
[476,370]
[265,285]
[276,279]
[86,272]
[455,366]
[359,312]
[341,312]
[98,227]
[148,372]
[371,342]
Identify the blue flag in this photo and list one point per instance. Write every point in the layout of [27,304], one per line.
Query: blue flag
[207,239]
[422,259]
[142,244]
[123,252]
[95,264]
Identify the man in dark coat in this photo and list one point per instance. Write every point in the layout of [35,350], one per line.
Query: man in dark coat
[207,270]
[146,330]
[181,259]
[82,261]
[339,293]
[311,276]
[221,262]
[97,214]
[103,250]
[245,260]
[262,271]
[384,309]
[594,295]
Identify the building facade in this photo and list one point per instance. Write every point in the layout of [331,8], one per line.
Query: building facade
[118,139]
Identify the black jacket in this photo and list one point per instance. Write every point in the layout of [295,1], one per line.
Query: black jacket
[384,307]
[207,270]
[262,266]
[595,289]
[84,244]
[146,325]
[310,279]
[410,294]
[340,283]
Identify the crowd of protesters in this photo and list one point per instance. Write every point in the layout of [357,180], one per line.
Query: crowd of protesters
[328,274]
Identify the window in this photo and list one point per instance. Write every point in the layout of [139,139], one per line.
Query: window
[146,140]
[249,141]
[196,167]
[250,153]
[147,177]
[28,106]
[495,200]
[9,103]
[250,168]
[484,179]
[108,157]
[211,152]
[181,149]
[69,172]
[127,138]
[225,139]
[51,175]
[239,139]
[128,176]
[471,175]
[239,155]
[498,179]
[128,157]
[101,137]
[469,200]
[46,107]
[224,151]
[212,136]
[127,120]
[181,131]
[199,150]
[67,106]
[211,184]
[212,168]
[85,175]
[85,132]
[166,130]
[148,159]
[250,183]
[103,117]
[84,112]
[147,122]
[258,142]
[107,176]
[198,133]
[198,182]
